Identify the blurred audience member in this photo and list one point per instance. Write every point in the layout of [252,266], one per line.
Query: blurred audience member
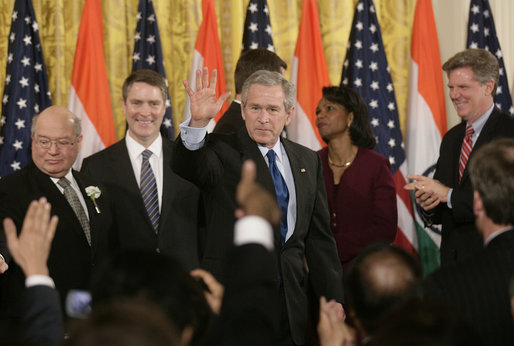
[125,322]
[41,309]
[381,277]
[160,279]
[424,323]
[479,286]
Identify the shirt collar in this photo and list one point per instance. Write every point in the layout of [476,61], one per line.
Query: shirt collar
[277,148]
[135,149]
[478,124]
[497,233]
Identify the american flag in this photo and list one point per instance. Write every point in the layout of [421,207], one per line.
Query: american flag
[482,34]
[148,55]
[366,70]
[26,88]
[257,29]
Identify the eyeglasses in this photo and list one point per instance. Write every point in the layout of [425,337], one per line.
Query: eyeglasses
[45,143]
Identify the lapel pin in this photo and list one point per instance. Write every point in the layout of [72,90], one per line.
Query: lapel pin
[303,170]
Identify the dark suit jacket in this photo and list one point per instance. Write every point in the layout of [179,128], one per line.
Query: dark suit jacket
[42,320]
[216,170]
[178,222]
[460,238]
[249,314]
[231,121]
[479,288]
[71,260]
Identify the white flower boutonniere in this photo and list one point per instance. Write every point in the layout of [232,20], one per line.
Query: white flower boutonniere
[94,192]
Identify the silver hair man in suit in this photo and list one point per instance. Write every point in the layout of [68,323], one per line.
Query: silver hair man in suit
[447,199]
[306,251]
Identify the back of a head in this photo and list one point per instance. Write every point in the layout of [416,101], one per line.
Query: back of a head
[424,323]
[490,170]
[125,322]
[254,60]
[381,276]
[157,278]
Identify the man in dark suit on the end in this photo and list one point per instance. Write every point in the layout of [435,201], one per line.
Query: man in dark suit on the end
[479,286]
[213,162]
[82,237]
[250,61]
[447,199]
[172,223]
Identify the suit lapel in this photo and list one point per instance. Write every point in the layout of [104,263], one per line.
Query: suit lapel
[121,165]
[167,183]
[60,205]
[300,176]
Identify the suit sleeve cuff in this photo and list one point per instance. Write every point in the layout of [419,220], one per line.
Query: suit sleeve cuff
[253,229]
[192,137]
[39,280]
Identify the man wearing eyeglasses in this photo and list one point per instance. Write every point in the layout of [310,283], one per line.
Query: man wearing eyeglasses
[81,239]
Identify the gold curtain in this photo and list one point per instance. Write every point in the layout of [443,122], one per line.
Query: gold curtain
[178,24]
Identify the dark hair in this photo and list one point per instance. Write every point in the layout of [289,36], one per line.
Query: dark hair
[360,129]
[253,60]
[484,64]
[145,76]
[369,296]
[425,323]
[125,322]
[158,278]
[490,170]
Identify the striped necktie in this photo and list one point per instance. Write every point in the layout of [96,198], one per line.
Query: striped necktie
[73,200]
[467,146]
[148,187]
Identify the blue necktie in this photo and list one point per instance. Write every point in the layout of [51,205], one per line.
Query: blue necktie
[148,188]
[281,191]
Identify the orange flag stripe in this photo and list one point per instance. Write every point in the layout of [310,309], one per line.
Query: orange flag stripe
[208,45]
[312,66]
[426,53]
[89,77]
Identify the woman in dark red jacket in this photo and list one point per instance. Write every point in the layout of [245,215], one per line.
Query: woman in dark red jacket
[360,188]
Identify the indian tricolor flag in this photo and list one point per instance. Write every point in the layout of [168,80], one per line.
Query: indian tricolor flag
[208,53]
[426,118]
[89,95]
[309,74]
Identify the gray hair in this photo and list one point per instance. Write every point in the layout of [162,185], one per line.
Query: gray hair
[71,116]
[484,64]
[270,79]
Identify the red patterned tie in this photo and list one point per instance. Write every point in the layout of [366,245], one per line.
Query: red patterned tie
[467,145]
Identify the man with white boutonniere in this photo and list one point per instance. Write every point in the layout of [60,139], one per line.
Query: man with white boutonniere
[82,236]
